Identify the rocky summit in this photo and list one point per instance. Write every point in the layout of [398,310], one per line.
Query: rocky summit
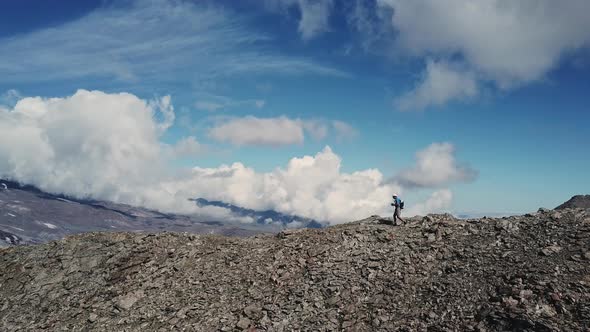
[576,202]
[436,273]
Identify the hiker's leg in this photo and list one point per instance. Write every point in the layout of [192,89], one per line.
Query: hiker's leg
[394,216]
[398,213]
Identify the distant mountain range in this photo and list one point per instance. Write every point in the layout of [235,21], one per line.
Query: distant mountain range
[263,217]
[29,215]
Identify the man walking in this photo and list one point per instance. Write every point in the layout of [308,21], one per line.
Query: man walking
[399,205]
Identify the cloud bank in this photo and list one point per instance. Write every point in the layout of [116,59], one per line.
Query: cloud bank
[108,146]
[311,186]
[91,144]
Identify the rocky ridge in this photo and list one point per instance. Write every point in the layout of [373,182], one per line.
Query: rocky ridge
[576,202]
[436,273]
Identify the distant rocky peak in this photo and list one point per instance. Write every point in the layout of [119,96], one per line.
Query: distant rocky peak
[576,202]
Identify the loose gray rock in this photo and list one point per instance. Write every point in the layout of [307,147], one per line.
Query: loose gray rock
[127,301]
[522,273]
[243,323]
[92,317]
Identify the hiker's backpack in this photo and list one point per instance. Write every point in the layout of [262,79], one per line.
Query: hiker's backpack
[401,204]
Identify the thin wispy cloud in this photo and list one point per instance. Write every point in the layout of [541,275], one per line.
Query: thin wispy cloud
[343,130]
[212,103]
[193,42]
[9,97]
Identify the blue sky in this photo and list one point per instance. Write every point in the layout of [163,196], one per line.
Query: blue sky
[504,85]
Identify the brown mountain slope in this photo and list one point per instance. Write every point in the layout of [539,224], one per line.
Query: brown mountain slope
[435,274]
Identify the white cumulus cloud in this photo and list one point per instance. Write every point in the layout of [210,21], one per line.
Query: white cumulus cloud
[317,129]
[311,186]
[436,166]
[277,131]
[93,144]
[509,43]
[439,201]
[344,130]
[188,147]
[441,83]
[251,130]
